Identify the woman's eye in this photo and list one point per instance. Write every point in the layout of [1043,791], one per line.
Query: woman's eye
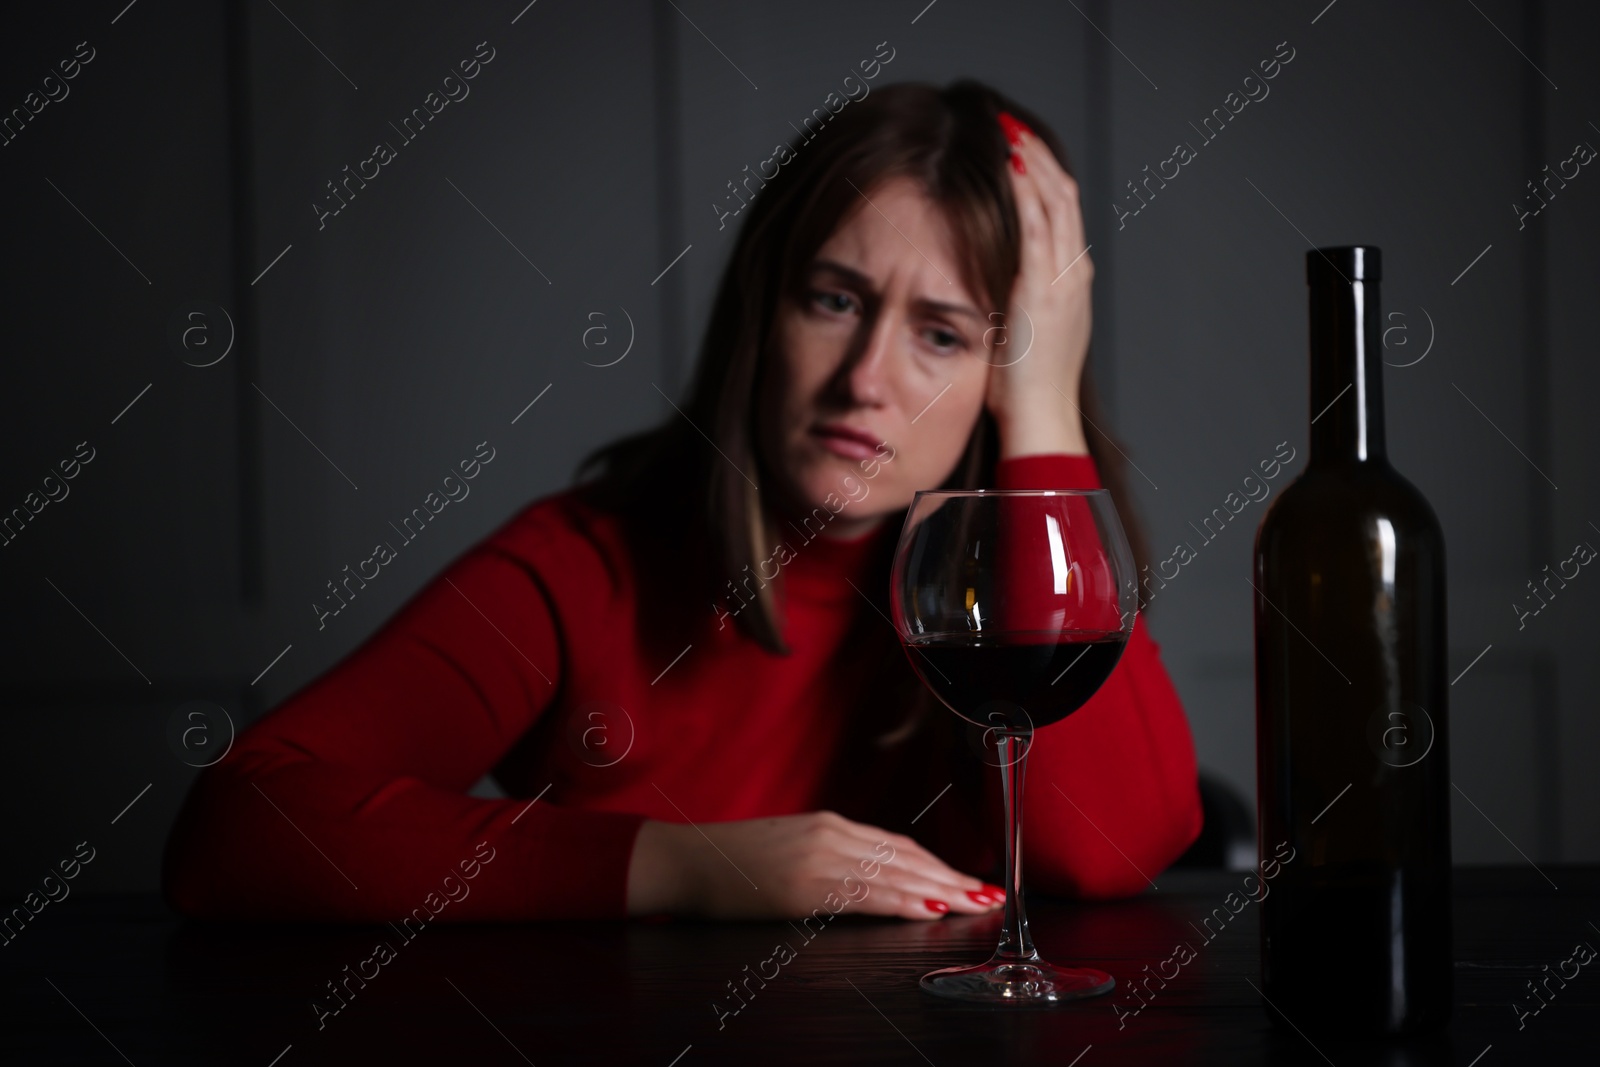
[945,340]
[836,302]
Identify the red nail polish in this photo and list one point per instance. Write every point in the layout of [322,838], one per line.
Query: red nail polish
[997,891]
[938,906]
[980,898]
[1017,164]
[1012,128]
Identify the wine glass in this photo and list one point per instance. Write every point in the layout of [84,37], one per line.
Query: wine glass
[1013,606]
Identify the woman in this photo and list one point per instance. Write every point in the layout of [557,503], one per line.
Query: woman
[681,670]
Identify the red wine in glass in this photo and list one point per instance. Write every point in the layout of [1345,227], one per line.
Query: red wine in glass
[1049,675]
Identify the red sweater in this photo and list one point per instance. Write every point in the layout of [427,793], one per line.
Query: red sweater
[350,802]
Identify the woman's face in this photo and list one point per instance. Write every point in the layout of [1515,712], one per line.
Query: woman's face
[881,338]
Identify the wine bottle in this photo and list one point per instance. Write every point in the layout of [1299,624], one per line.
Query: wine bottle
[1352,743]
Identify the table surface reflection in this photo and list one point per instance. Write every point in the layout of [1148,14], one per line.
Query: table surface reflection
[120,979]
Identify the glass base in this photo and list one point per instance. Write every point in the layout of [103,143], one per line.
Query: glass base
[1018,982]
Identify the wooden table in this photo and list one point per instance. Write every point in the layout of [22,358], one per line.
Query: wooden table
[119,979]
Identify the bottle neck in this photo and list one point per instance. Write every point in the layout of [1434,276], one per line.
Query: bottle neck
[1346,373]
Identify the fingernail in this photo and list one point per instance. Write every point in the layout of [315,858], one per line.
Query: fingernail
[997,891]
[980,898]
[1012,128]
[1017,164]
[937,906]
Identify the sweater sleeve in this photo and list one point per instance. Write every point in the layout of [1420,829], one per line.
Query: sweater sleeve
[350,801]
[1111,795]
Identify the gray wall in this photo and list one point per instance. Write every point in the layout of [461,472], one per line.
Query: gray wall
[458,286]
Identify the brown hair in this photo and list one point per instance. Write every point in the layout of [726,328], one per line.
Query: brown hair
[949,141]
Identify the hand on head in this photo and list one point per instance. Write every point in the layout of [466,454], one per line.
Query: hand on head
[1050,312]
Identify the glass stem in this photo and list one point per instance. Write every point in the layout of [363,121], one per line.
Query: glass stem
[1016,944]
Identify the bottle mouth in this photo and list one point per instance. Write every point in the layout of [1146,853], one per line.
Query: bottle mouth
[1344,263]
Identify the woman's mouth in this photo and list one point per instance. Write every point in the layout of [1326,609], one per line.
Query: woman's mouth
[846,441]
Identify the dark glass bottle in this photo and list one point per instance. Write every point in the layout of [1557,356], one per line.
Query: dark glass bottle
[1352,743]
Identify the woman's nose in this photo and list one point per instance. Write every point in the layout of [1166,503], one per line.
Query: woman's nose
[869,364]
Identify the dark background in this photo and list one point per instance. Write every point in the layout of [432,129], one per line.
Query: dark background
[371,355]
